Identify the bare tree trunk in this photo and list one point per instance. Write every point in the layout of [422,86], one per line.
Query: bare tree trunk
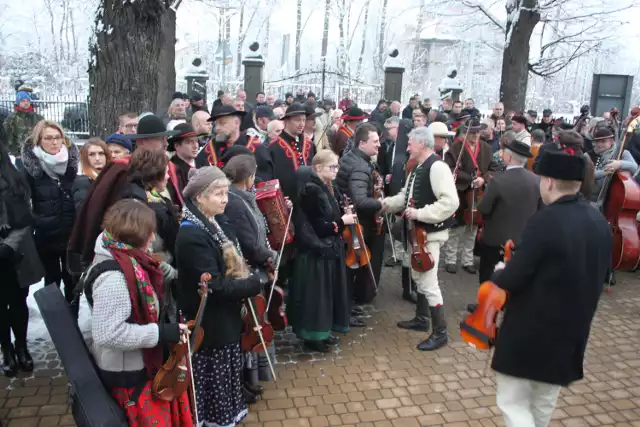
[325,31]
[123,70]
[49,5]
[266,37]
[61,31]
[167,61]
[416,46]
[342,51]
[298,33]
[381,38]
[364,39]
[515,58]
[67,28]
[74,37]
[241,36]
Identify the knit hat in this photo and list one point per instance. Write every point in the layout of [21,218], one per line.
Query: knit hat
[22,96]
[121,140]
[200,179]
[240,167]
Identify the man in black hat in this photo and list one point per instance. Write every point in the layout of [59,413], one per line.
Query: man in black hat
[291,150]
[261,116]
[185,147]
[546,124]
[553,282]
[197,104]
[604,156]
[471,161]
[350,121]
[519,126]
[227,133]
[310,123]
[509,201]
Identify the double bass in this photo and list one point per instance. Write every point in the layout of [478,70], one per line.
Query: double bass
[619,201]
[479,329]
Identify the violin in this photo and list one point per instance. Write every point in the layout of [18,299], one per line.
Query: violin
[358,255]
[421,259]
[175,376]
[378,187]
[258,332]
[473,196]
[479,329]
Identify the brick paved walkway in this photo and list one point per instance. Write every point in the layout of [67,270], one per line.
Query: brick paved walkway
[377,378]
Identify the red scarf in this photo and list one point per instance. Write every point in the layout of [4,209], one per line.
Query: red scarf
[23,110]
[140,314]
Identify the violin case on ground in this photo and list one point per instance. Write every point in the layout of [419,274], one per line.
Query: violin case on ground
[91,403]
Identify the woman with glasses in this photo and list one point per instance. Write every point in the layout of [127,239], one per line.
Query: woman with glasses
[318,300]
[50,160]
[94,156]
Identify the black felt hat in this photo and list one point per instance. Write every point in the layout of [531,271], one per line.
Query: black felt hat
[562,165]
[354,114]
[519,147]
[233,151]
[295,110]
[151,126]
[603,133]
[225,110]
[185,131]
[518,118]
[310,112]
[473,125]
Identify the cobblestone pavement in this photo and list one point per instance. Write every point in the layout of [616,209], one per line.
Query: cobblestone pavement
[377,378]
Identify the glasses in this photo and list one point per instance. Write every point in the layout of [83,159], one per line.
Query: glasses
[50,138]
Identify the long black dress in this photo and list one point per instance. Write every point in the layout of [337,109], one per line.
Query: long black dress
[318,299]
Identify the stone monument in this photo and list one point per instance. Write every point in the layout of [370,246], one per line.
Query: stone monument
[450,86]
[393,72]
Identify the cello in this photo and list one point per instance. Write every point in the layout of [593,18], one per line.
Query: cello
[421,259]
[479,329]
[619,201]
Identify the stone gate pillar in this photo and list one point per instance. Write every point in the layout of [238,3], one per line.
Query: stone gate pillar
[253,72]
[393,72]
[196,78]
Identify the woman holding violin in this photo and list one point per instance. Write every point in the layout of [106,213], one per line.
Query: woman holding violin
[206,244]
[128,328]
[251,231]
[318,300]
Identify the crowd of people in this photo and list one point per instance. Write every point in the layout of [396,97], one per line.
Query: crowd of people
[134,220]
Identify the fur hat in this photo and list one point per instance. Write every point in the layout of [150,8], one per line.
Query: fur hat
[200,179]
[562,165]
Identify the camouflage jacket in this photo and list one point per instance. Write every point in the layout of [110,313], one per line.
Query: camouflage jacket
[18,127]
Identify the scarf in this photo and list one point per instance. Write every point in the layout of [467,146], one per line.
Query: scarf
[144,281]
[24,110]
[53,165]
[603,158]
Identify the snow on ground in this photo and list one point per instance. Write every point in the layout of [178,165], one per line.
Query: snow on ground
[37,327]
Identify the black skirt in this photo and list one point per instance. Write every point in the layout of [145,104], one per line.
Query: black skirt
[318,301]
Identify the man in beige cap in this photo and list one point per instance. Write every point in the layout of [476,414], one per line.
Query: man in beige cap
[441,135]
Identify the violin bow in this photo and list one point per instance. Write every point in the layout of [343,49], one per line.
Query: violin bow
[386,217]
[193,383]
[273,285]
[259,331]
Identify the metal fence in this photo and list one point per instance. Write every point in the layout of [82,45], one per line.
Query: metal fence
[73,116]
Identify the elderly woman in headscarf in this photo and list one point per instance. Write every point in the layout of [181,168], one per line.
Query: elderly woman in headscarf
[206,244]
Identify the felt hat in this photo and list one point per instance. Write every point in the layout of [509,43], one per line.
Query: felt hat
[547,112]
[224,111]
[440,129]
[264,111]
[185,131]
[233,151]
[519,147]
[310,112]
[562,165]
[151,126]
[518,118]
[295,110]
[473,125]
[354,114]
[603,133]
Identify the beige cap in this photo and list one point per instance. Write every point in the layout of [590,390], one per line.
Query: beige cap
[440,129]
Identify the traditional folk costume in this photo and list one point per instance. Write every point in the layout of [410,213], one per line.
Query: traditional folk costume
[510,199]
[208,245]
[476,161]
[432,187]
[178,168]
[357,178]
[553,294]
[213,153]
[343,140]
[318,300]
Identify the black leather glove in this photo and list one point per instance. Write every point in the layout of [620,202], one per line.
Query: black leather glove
[6,252]
[168,333]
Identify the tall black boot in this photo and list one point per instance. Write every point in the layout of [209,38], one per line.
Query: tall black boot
[24,358]
[438,337]
[10,367]
[408,293]
[421,320]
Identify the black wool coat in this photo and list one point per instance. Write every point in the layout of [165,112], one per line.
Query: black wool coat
[553,283]
[286,160]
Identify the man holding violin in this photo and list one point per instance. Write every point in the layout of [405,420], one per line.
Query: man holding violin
[553,283]
[429,200]
[471,161]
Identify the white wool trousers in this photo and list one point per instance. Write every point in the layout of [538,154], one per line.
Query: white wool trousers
[525,403]
[427,283]
[461,239]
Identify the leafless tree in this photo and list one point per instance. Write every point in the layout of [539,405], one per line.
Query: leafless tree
[298,32]
[242,34]
[364,39]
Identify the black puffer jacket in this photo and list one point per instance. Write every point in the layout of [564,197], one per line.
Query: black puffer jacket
[52,200]
[81,187]
[354,180]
